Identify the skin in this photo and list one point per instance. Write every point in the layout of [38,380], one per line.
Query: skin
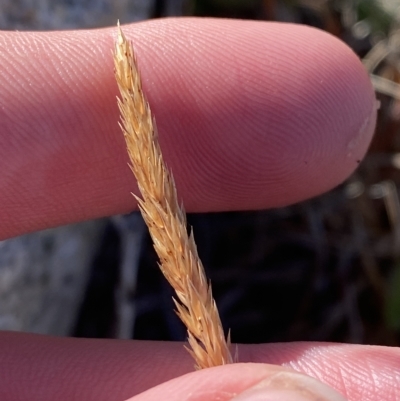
[250,115]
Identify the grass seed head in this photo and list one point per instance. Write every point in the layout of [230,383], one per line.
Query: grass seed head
[166,220]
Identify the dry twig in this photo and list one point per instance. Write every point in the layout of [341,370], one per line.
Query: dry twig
[166,220]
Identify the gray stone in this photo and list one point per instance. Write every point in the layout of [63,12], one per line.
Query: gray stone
[43,277]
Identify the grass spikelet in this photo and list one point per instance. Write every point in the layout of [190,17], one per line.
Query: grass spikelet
[166,220]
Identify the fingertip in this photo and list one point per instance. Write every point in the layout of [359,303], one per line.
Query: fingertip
[318,118]
[343,105]
[244,382]
[264,115]
[333,115]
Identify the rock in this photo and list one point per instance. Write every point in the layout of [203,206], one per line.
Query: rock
[43,277]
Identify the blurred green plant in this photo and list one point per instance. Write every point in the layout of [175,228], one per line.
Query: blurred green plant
[392,302]
[377,14]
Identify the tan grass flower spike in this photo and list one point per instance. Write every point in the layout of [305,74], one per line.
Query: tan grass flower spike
[166,220]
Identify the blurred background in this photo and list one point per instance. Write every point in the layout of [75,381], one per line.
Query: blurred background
[327,269]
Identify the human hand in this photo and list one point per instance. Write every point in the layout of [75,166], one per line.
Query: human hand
[251,115]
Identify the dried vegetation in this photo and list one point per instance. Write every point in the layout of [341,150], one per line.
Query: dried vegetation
[166,220]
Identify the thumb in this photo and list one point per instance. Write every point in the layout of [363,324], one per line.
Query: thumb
[242,382]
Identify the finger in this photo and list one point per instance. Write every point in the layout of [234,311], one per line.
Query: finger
[242,382]
[47,368]
[250,115]
[359,372]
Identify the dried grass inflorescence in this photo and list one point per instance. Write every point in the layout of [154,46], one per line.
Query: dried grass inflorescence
[166,220]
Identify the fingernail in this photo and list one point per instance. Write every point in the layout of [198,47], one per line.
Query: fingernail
[289,386]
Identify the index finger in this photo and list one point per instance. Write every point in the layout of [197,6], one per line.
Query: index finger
[250,115]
